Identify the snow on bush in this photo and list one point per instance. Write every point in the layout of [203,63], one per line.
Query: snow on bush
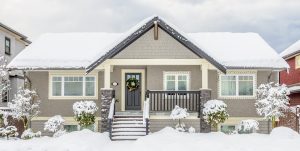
[179,113]
[85,112]
[192,130]
[248,126]
[55,125]
[24,106]
[214,112]
[4,77]
[28,134]
[59,133]
[272,100]
[9,131]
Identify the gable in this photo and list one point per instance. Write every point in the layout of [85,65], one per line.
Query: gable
[166,47]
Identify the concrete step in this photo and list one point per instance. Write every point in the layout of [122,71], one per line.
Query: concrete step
[127,122]
[129,130]
[125,138]
[128,133]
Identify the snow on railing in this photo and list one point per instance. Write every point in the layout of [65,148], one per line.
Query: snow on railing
[146,110]
[111,109]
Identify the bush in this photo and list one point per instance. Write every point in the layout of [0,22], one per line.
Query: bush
[85,112]
[9,131]
[248,126]
[179,113]
[214,112]
[28,134]
[55,125]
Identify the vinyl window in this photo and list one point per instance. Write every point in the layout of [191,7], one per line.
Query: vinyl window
[73,86]
[237,85]
[176,81]
[7,44]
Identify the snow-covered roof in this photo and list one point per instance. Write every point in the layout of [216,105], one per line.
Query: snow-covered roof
[238,50]
[86,50]
[291,50]
[295,88]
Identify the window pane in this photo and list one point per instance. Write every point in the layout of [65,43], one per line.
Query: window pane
[56,86]
[90,86]
[182,85]
[73,86]
[170,85]
[170,77]
[228,85]
[70,128]
[245,85]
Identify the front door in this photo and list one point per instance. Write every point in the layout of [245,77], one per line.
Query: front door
[133,97]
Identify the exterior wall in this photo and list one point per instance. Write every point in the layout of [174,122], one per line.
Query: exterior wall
[292,76]
[51,107]
[166,47]
[239,107]
[158,124]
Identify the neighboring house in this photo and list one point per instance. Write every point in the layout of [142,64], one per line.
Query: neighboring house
[291,77]
[11,44]
[172,67]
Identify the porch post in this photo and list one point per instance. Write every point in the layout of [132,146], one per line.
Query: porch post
[106,97]
[205,96]
[204,71]
[107,70]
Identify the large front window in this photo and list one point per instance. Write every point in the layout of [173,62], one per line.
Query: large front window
[73,86]
[237,85]
[178,81]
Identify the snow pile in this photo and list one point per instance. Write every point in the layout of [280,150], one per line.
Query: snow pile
[179,113]
[166,139]
[88,107]
[248,126]
[284,133]
[54,123]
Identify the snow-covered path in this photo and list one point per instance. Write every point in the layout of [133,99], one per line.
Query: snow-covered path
[165,140]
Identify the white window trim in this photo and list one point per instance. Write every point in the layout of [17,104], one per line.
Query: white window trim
[176,73]
[50,96]
[237,96]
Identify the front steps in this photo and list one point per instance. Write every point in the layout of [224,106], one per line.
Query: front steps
[127,127]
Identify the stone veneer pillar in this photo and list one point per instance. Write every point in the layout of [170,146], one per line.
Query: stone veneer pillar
[205,96]
[106,97]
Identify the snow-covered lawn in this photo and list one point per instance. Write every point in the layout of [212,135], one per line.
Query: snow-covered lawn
[282,139]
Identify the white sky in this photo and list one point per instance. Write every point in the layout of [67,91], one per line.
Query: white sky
[277,21]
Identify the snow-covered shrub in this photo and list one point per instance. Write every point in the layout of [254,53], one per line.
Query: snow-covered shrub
[4,77]
[272,101]
[248,126]
[85,112]
[192,130]
[28,134]
[179,113]
[24,106]
[55,125]
[214,112]
[59,133]
[9,131]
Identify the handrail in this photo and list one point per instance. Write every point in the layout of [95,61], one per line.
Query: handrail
[111,116]
[146,113]
[111,109]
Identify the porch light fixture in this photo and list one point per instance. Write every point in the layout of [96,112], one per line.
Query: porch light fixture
[115,83]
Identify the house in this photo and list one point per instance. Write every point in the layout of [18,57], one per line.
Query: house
[169,66]
[291,77]
[11,44]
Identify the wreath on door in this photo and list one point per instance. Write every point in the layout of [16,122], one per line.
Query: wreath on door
[132,84]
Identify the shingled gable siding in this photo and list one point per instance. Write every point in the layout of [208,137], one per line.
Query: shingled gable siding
[166,47]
